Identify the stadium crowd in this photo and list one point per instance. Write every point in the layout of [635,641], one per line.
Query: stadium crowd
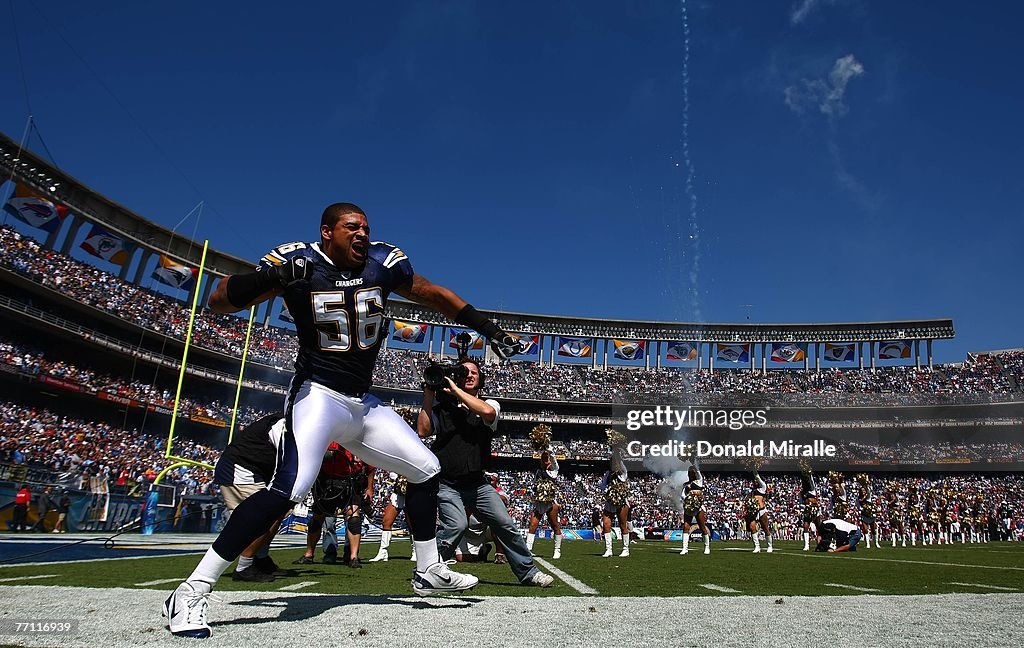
[980,377]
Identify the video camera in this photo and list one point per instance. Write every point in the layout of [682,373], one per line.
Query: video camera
[434,375]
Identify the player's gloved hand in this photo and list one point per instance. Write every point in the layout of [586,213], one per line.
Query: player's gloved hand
[505,345]
[296,270]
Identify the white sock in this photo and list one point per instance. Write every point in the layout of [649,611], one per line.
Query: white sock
[243,563]
[209,568]
[757,540]
[385,540]
[558,542]
[686,541]
[426,553]
[530,539]
[707,540]
[769,541]
[807,539]
[625,540]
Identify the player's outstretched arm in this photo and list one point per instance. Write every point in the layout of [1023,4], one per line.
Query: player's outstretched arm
[446,302]
[219,302]
[238,292]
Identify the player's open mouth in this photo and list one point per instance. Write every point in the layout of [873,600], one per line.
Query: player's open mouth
[359,250]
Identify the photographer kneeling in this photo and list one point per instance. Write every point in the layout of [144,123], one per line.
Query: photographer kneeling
[845,534]
[464,425]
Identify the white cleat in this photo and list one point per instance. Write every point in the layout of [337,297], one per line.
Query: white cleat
[624,554]
[186,610]
[438,579]
[557,554]
[607,553]
[382,556]
[540,579]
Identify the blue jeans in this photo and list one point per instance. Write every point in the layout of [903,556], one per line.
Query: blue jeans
[855,536]
[452,500]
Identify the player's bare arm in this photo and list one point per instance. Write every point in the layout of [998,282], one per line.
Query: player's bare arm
[239,292]
[219,302]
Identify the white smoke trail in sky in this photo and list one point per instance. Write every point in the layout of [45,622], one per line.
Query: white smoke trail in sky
[691,244]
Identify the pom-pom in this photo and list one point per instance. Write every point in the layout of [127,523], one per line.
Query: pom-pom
[544,491]
[615,438]
[540,437]
[617,493]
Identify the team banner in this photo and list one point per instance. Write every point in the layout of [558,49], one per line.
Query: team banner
[629,349]
[575,347]
[897,349]
[682,351]
[172,273]
[842,352]
[531,344]
[734,352]
[409,332]
[788,352]
[476,340]
[29,207]
[101,243]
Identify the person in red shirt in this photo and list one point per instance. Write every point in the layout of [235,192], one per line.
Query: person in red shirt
[19,517]
[344,483]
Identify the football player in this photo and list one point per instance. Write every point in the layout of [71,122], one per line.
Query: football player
[336,289]
[545,503]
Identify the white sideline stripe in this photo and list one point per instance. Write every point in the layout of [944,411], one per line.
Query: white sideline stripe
[893,560]
[852,587]
[719,588]
[574,583]
[18,578]
[163,581]
[995,587]
[297,586]
[90,560]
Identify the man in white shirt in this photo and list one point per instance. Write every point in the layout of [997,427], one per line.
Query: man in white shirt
[845,534]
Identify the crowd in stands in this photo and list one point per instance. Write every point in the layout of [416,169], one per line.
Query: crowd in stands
[980,378]
[74,450]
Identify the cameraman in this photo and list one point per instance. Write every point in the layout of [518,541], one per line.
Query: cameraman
[464,426]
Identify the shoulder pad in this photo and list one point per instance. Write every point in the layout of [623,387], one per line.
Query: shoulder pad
[385,254]
[282,253]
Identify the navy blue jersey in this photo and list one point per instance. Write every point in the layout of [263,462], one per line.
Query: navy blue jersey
[339,314]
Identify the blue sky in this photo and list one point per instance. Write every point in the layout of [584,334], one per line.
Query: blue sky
[852,160]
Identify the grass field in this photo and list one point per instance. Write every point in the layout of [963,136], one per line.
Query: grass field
[655,568]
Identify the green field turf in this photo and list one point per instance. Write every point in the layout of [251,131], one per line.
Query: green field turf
[655,568]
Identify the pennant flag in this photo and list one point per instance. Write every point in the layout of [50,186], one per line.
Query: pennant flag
[898,349]
[477,340]
[734,352]
[408,332]
[286,315]
[842,352]
[172,273]
[101,243]
[788,352]
[29,207]
[575,347]
[530,343]
[682,351]
[629,349]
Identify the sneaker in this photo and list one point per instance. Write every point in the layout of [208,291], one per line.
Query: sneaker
[186,610]
[500,559]
[355,563]
[382,556]
[331,560]
[624,554]
[439,579]
[304,560]
[252,575]
[557,554]
[607,553]
[540,579]
[268,566]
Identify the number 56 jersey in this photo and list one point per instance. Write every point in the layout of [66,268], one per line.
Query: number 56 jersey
[339,314]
